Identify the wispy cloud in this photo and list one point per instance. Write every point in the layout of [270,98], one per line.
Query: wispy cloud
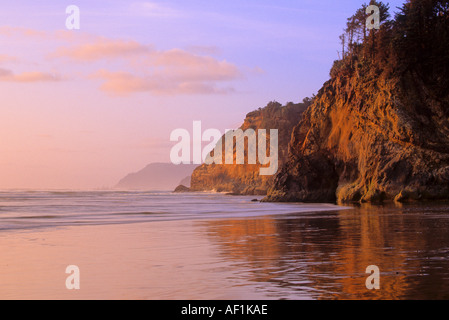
[174,71]
[102,49]
[7,75]
[182,65]
[126,66]
[123,83]
[4,58]
[21,31]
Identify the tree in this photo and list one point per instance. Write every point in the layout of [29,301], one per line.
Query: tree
[422,27]
[343,44]
[384,16]
[356,27]
[356,32]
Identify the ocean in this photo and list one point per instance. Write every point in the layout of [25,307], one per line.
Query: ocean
[44,209]
[161,245]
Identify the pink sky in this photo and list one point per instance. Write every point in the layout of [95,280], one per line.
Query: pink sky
[82,108]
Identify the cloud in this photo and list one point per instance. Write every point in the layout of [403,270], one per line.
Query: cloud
[5,73]
[132,66]
[184,66]
[176,61]
[102,49]
[122,83]
[255,70]
[7,58]
[171,72]
[27,77]
[174,71]
[21,31]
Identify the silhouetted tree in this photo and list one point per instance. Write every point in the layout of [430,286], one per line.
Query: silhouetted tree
[422,28]
[356,31]
[384,15]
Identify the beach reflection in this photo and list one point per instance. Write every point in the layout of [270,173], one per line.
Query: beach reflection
[325,255]
[316,255]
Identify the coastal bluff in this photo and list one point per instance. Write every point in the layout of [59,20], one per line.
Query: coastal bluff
[246,179]
[378,130]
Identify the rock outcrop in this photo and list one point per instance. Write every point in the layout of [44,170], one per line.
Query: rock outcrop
[379,128]
[246,178]
[182,189]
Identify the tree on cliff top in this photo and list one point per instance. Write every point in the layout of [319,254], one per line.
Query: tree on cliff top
[416,40]
[356,31]
[422,27]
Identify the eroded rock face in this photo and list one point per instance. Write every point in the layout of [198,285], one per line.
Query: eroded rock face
[369,139]
[246,179]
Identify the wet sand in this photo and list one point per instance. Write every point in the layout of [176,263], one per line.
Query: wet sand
[157,260]
[321,255]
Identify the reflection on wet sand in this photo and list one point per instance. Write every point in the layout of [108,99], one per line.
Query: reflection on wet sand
[325,255]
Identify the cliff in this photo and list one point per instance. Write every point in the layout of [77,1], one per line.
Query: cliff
[379,128]
[246,179]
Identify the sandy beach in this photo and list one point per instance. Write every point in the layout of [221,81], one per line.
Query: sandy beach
[143,245]
[158,260]
[312,255]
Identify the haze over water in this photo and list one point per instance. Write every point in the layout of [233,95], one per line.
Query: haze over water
[143,245]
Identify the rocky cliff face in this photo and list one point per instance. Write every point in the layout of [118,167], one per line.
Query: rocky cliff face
[369,137]
[246,179]
[379,129]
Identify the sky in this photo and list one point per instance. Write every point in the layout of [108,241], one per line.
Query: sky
[82,108]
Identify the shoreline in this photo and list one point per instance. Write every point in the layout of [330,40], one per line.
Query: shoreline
[150,260]
[309,255]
